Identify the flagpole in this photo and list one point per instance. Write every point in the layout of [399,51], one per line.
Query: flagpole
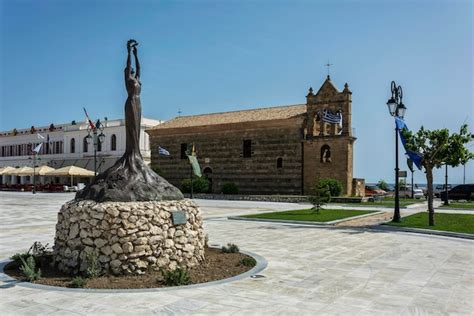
[192,177]
[34,174]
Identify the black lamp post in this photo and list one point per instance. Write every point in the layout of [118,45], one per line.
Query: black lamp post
[397,109]
[96,139]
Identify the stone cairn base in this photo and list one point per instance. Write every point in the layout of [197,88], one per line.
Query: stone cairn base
[129,237]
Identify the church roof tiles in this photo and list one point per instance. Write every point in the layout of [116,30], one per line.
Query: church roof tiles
[252,115]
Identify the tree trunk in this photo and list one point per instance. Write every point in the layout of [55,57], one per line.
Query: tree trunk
[429,179]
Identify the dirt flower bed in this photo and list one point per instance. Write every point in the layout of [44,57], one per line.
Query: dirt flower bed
[218,265]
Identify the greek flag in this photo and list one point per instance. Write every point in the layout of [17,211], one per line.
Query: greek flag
[414,156]
[332,118]
[163,152]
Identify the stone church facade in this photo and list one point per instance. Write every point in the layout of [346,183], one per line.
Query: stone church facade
[277,150]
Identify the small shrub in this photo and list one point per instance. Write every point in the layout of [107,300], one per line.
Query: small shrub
[200,185]
[231,248]
[18,256]
[248,262]
[175,278]
[78,282]
[334,186]
[29,269]
[93,265]
[230,188]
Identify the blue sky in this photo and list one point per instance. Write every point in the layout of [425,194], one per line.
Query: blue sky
[213,56]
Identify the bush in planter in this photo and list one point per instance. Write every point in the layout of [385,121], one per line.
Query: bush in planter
[230,188]
[29,269]
[334,186]
[200,185]
[231,248]
[176,277]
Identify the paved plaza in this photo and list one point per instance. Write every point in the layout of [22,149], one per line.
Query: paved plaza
[311,270]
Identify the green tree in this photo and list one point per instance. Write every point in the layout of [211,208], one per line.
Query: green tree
[334,186]
[383,185]
[320,197]
[437,148]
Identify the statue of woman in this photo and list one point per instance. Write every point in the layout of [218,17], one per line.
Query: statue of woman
[133,107]
[130,178]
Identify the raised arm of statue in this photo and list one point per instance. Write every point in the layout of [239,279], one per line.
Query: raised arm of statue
[128,69]
[137,63]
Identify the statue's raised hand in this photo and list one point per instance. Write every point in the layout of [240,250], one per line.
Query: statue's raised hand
[135,50]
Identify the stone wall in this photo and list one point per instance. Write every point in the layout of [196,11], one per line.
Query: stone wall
[339,167]
[129,237]
[220,150]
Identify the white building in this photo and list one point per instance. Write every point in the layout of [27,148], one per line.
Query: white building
[66,145]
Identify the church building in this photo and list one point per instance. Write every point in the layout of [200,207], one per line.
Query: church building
[276,150]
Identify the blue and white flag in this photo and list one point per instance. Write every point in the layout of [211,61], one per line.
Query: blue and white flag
[38,148]
[332,118]
[414,156]
[163,152]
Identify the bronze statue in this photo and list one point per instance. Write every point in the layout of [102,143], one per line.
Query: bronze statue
[130,179]
[133,107]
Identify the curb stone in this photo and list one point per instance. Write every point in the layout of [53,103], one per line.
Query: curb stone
[241,218]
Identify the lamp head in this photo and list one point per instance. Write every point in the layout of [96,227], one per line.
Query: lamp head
[392,106]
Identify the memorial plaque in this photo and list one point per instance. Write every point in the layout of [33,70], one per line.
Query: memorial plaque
[179,217]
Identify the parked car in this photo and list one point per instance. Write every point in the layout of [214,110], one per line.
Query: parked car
[460,192]
[440,188]
[371,190]
[405,192]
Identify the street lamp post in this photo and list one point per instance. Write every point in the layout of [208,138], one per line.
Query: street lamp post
[96,139]
[396,109]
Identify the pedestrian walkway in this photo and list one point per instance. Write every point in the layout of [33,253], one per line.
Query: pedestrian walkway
[311,270]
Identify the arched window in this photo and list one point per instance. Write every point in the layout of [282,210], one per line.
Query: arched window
[325,154]
[113,142]
[73,146]
[99,145]
[85,146]
[279,163]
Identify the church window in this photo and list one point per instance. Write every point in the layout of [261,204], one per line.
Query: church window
[247,148]
[113,142]
[325,154]
[279,163]
[184,148]
[85,145]
[73,146]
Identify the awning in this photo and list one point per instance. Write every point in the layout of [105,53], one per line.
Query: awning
[70,171]
[43,170]
[8,171]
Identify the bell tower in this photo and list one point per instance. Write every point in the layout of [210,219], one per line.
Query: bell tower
[328,140]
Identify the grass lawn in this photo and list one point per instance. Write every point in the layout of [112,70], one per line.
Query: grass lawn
[389,201]
[463,205]
[309,215]
[459,223]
